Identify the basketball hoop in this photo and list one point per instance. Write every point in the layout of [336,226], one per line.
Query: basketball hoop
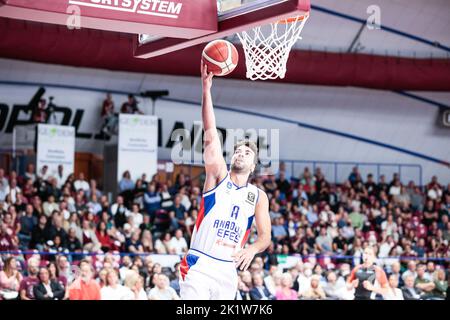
[267,50]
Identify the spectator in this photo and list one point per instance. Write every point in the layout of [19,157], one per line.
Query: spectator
[90,241]
[323,242]
[179,212]
[60,177]
[357,219]
[113,290]
[110,119]
[393,293]
[126,183]
[10,279]
[279,231]
[315,292]
[162,290]
[333,288]
[130,106]
[152,200]
[64,271]
[422,284]
[27,224]
[55,276]
[93,205]
[259,290]
[49,206]
[136,217]
[27,284]
[285,291]
[73,244]
[178,244]
[162,245]
[175,283]
[411,270]
[119,212]
[81,183]
[440,285]
[243,292]
[395,270]
[47,289]
[103,237]
[133,244]
[409,291]
[85,287]
[134,286]
[126,266]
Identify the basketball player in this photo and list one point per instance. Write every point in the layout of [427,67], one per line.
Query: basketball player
[228,207]
[365,276]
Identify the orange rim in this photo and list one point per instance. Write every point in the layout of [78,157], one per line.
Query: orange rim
[292,19]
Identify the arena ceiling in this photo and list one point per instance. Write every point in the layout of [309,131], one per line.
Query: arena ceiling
[411,51]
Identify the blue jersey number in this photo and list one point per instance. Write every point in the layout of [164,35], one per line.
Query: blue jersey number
[235,212]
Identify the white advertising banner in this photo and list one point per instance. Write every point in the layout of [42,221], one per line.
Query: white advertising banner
[138,145]
[56,146]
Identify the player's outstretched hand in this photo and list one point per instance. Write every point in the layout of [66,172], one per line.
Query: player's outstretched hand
[206,76]
[244,257]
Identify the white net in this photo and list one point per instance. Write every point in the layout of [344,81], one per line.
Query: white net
[267,48]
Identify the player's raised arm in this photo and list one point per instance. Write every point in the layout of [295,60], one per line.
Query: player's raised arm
[215,165]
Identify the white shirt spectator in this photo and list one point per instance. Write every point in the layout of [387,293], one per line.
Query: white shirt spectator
[114,209]
[59,180]
[163,294]
[434,194]
[138,218]
[178,245]
[390,228]
[394,294]
[49,208]
[160,247]
[394,191]
[117,293]
[130,295]
[81,184]
[186,202]
[31,176]
[13,192]
[304,282]
[385,248]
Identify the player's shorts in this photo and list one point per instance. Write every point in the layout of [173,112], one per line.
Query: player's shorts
[203,277]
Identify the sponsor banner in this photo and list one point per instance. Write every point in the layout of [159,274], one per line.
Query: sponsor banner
[171,18]
[55,147]
[138,145]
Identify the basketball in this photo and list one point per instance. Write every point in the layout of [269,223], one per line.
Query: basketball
[221,57]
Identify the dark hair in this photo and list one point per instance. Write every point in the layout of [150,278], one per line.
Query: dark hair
[248,143]
[56,269]
[6,266]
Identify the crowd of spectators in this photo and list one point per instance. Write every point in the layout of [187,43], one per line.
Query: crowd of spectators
[112,242]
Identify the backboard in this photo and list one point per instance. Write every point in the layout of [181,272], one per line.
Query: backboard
[233,16]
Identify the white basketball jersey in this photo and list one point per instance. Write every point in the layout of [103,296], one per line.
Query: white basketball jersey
[224,219]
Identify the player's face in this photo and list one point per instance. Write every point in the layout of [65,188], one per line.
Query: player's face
[243,160]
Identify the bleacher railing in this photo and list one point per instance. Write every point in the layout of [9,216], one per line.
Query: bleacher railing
[338,171]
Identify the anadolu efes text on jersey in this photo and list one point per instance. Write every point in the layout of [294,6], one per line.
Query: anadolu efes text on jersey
[224,220]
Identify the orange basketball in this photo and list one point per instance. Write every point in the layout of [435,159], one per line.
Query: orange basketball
[220,57]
